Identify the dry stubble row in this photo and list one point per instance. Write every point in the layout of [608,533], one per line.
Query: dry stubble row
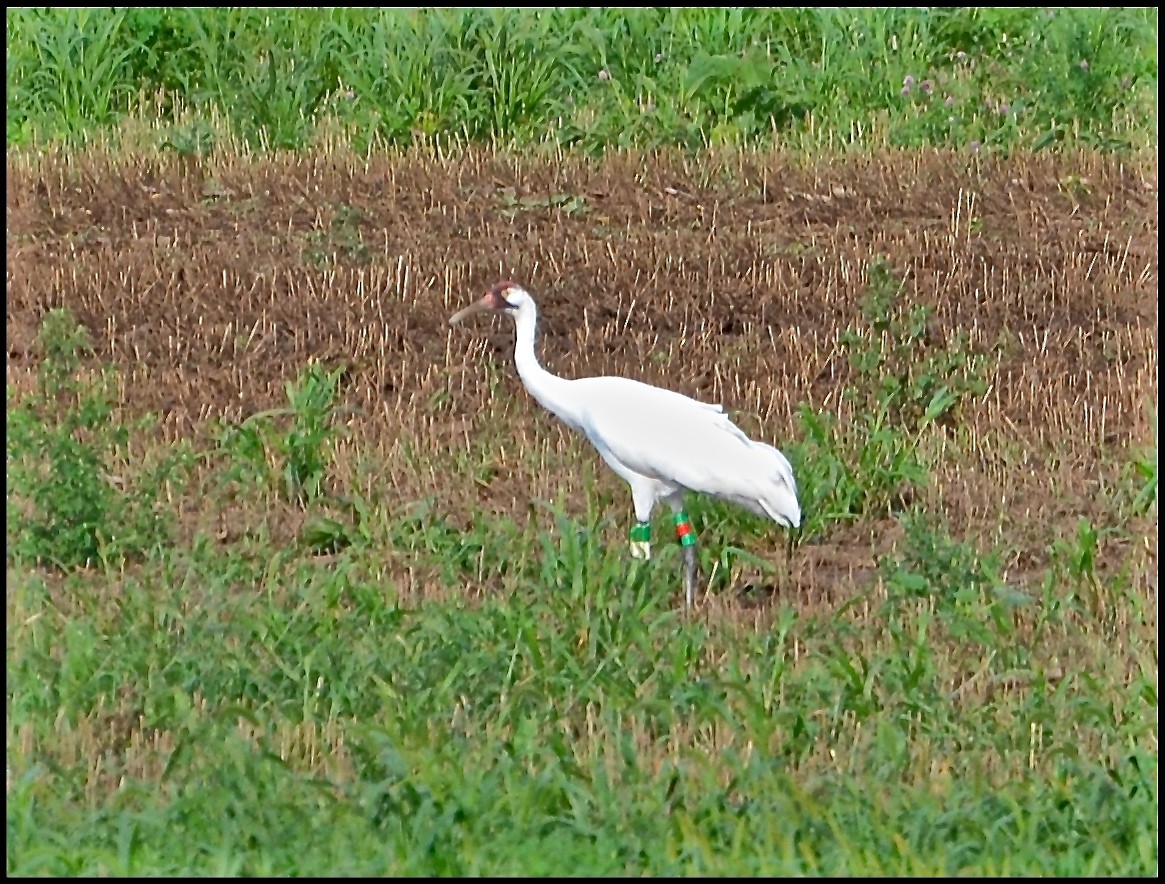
[213,283]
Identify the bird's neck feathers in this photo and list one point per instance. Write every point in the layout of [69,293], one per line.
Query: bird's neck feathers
[550,391]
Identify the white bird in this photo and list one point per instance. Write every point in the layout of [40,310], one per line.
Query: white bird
[661,443]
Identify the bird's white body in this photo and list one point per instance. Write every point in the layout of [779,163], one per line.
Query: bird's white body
[660,442]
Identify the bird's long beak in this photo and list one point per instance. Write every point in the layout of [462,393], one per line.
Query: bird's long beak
[476,307]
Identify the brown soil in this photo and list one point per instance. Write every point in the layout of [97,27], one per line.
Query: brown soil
[211,284]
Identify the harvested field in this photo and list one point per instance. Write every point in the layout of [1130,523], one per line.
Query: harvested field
[212,284]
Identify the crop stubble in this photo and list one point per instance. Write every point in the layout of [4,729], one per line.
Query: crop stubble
[211,283]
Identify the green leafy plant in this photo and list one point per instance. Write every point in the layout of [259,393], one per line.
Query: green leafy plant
[301,449]
[964,585]
[845,471]
[1145,468]
[1142,476]
[902,376]
[567,204]
[902,384]
[196,139]
[342,240]
[68,508]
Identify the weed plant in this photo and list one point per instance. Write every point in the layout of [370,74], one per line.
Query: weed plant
[301,452]
[868,458]
[67,504]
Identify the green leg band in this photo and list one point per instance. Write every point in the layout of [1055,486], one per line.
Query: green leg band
[641,533]
[684,530]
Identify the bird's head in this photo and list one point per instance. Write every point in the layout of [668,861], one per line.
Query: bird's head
[505,297]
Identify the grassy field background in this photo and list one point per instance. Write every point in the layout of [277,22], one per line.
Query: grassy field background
[1025,77]
[300,581]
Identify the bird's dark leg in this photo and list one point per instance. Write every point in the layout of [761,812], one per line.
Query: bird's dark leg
[686,535]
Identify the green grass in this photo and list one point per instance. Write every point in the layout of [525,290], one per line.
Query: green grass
[250,707]
[974,78]
[575,721]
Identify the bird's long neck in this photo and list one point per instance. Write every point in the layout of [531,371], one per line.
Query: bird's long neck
[550,391]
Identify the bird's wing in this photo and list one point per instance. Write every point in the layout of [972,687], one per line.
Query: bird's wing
[662,434]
